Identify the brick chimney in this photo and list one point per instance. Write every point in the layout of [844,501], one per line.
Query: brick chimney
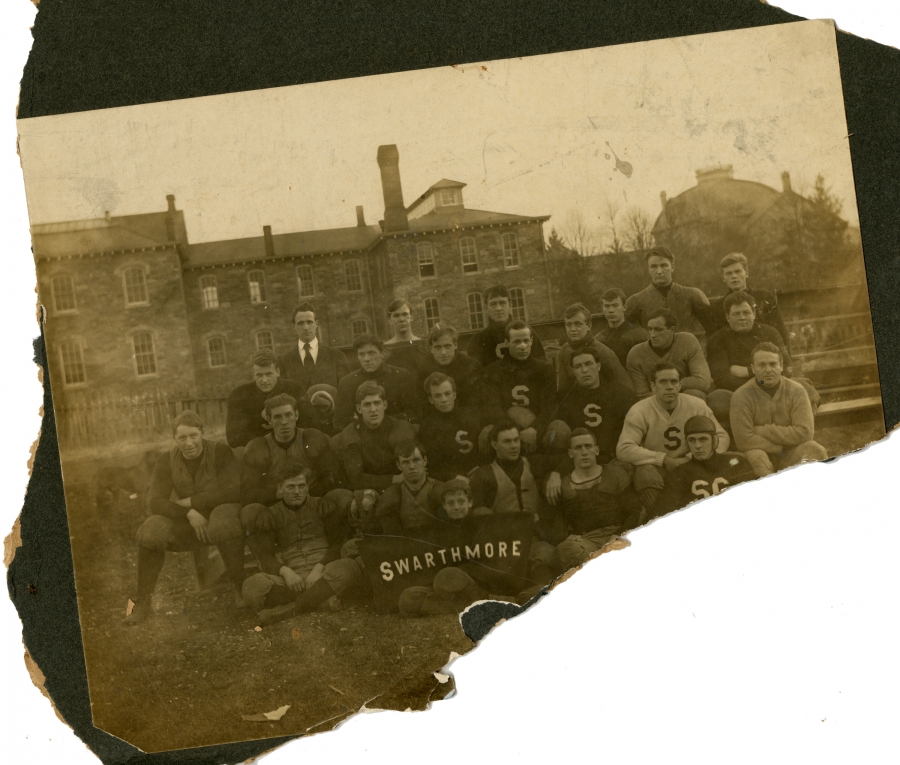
[360,216]
[270,243]
[786,182]
[170,217]
[395,218]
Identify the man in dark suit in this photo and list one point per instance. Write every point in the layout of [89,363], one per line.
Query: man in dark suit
[314,365]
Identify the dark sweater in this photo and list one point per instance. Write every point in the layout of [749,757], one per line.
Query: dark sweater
[509,382]
[463,369]
[622,339]
[369,453]
[490,344]
[399,387]
[727,348]
[204,502]
[451,441]
[593,508]
[245,421]
[695,479]
[408,355]
[767,312]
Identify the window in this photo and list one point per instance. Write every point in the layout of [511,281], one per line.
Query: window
[144,354]
[209,292]
[354,278]
[469,255]
[135,287]
[432,313]
[449,197]
[517,303]
[510,251]
[216,346]
[265,341]
[476,311]
[305,284]
[425,253]
[72,362]
[257,282]
[359,327]
[63,293]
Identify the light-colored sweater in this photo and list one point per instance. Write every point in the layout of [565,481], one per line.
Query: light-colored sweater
[650,433]
[689,304]
[685,353]
[771,423]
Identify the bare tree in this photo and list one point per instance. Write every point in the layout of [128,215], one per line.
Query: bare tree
[579,236]
[614,242]
[637,229]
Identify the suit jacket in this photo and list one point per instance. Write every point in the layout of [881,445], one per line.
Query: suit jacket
[331,366]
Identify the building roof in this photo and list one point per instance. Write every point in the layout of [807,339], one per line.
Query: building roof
[458,217]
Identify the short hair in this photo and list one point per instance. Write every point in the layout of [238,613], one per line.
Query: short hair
[736,298]
[304,307]
[504,423]
[368,339]
[370,388]
[660,251]
[282,399]
[671,321]
[734,257]
[292,468]
[590,350]
[397,303]
[435,379]
[768,348]
[575,309]
[408,448]
[582,432]
[613,294]
[498,290]
[662,367]
[518,324]
[455,484]
[265,358]
[439,330]
[189,418]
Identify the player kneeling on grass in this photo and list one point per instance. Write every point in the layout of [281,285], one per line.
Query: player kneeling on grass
[594,508]
[297,543]
[707,473]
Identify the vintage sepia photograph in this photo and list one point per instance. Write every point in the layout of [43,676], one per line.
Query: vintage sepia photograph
[332,363]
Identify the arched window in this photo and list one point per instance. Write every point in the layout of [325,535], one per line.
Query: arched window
[425,253]
[510,251]
[265,341]
[72,360]
[63,293]
[209,291]
[468,253]
[359,327]
[306,287]
[257,283]
[354,277]
[432,312]
[136,287]
[517,303]
[144,354]
[476,310]
[216,346]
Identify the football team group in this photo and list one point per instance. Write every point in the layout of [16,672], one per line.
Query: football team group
[625,424]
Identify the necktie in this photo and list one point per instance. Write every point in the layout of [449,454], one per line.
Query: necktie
[309,363]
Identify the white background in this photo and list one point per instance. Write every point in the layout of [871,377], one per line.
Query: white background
[758,628]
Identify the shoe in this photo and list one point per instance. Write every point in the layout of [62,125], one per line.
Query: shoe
[269,616]
[140,612]
[334,603]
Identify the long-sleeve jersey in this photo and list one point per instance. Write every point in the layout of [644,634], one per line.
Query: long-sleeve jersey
[650,433]
[611,369]
[451,441]
[685,353]
[771,423]
[622,339]
[702,478]
[368,453]
[588,506]
[408,355]
[490,345]
[689,304]
[727,348]
[464,371]
[401,510]
[509,382]
[245,420]
[399,387]
[767,312]
[601,410]
[210,480]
